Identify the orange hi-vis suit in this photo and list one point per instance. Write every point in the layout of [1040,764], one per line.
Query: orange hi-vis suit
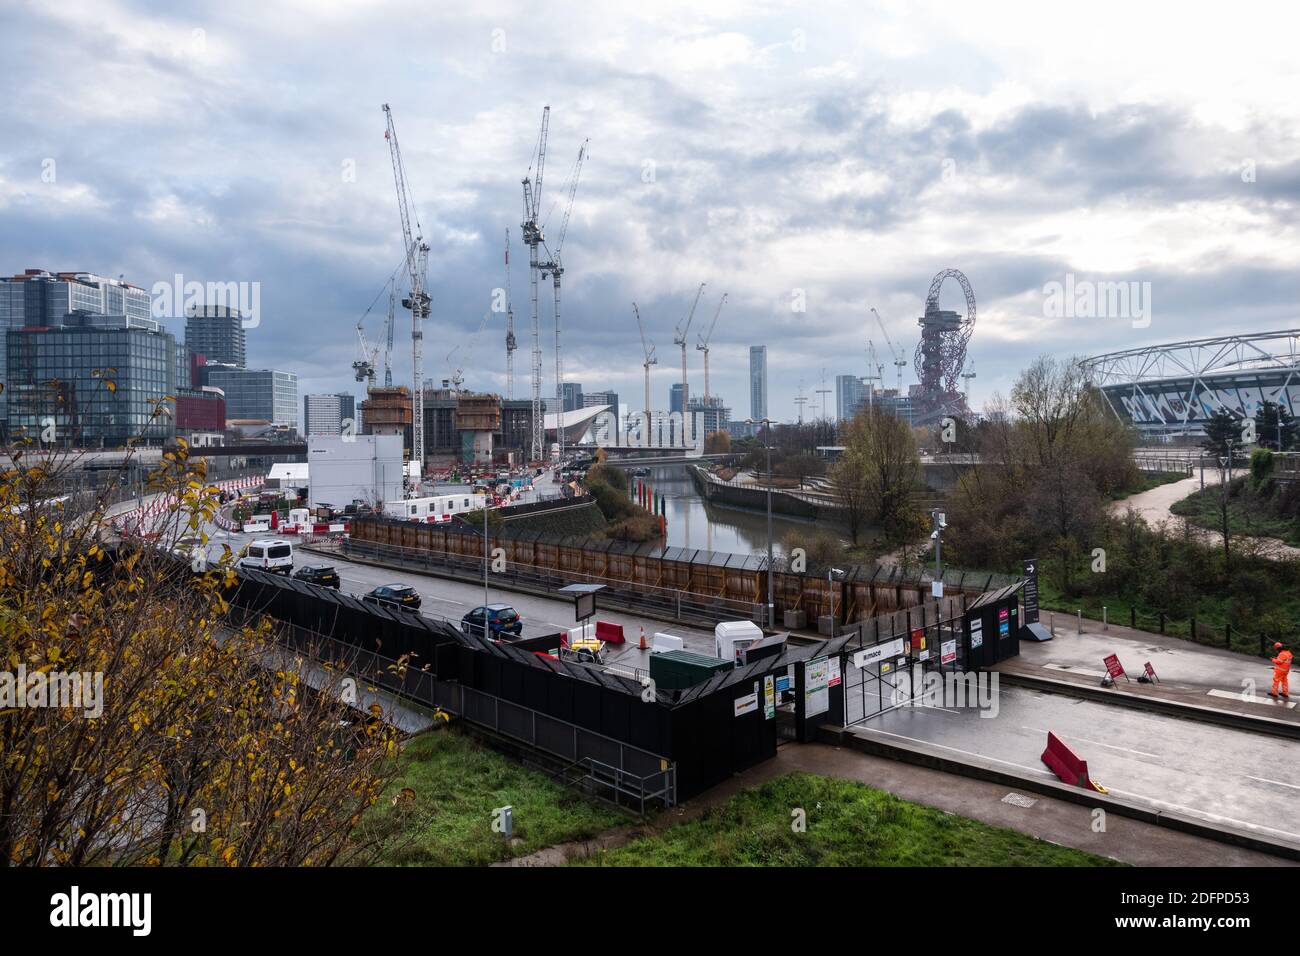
[1281,671]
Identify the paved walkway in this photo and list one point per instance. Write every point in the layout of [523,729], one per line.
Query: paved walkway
[1188,672]
[1154,507]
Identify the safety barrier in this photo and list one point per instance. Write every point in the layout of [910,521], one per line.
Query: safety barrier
[1068,765]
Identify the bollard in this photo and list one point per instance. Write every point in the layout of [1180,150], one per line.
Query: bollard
[1162,622]
[1080,620]
[1133,617]
[1105,618]
[1052,618]
[1227,640]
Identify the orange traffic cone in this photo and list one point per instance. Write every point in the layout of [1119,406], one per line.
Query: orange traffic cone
[642,645]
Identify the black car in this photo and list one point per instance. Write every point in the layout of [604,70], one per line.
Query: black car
[322,575]
[501,619]
[397,595]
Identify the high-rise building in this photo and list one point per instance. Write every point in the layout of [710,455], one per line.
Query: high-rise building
[264,394]
[216,332]
[325,414]
[592,399]
[58,380]
[676,392]
[572,392]
[39,298]
[851,393]
[711,414]
[758,381]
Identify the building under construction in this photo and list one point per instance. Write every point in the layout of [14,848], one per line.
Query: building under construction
[387,411]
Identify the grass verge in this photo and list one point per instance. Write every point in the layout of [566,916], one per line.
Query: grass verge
[848,824]
[453,784]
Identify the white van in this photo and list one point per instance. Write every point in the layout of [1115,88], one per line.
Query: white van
[267,554]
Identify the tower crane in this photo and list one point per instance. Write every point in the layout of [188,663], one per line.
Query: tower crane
[703,345]
[532,234]
[554,267]
[511,344]
[873,362]
[679,338]
[650,359]
[900,360]
[364,367]
[417,300]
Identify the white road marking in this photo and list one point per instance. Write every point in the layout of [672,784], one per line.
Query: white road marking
[1253,699]
[1069,669]
[968,753]
[1140,753]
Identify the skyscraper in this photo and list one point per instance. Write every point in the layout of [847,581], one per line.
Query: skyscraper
[758,381]
[675,393]
[850,395]
[325,414]
[216,332]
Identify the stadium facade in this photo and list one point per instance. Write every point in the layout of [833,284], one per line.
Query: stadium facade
[1170,391]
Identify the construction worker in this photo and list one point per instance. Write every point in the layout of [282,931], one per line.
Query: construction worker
[1281,671]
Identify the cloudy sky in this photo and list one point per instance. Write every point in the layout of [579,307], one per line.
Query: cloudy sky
[837,155]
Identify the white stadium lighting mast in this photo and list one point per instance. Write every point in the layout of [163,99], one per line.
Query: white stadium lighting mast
[703,345]
[511,344]
[417,301]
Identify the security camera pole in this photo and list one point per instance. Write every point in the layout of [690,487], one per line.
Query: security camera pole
[940,522]
[767,445]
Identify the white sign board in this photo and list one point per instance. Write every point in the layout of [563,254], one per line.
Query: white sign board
[947,652]
[747,704]
[936,589]
[872,654]
[769,697]
[816,695]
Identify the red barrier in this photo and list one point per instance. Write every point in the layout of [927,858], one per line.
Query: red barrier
[609,633]
[1068,765]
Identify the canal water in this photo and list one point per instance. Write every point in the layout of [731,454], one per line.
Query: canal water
[693,523]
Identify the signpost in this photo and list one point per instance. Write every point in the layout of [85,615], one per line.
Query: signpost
[1114,668]
[1031,591]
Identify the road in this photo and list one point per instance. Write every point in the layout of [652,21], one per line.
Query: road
[1250,781]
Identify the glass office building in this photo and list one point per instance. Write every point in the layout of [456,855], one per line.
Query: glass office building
[58,380]
[757,381]
[264,395]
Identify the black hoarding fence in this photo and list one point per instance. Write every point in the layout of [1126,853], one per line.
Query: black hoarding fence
[614,732]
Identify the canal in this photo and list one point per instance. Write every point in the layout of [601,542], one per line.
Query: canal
[693,523]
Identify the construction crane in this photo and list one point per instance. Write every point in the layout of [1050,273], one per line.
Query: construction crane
[532,233]
[650,359]
[457,373]
[703,345]
[365,367]
[417,300]
[679,338]
[900,360]
[554,267]
[511,344]
[873,362]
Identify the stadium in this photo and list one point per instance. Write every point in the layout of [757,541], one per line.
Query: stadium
[1169,391]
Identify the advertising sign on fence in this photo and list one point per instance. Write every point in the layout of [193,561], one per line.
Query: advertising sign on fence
[947,652]
[833,672]
[747,704]
[816,692]
[769,697]
[872,654]
[976,633]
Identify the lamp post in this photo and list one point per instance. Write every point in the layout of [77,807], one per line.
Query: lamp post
[767,445]
[940,522]
[485,566]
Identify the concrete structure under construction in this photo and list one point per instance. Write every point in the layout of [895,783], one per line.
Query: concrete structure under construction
[387,411]
[478,418]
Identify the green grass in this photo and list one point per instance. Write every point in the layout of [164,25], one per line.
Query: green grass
[457,784]
[1246,515]
[848,824]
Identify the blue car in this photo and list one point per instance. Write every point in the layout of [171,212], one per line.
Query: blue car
[501,619]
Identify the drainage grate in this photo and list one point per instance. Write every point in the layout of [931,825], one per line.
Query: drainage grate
[1019,800]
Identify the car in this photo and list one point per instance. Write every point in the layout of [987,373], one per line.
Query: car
[501,619]
[396,595]
[322,575]
[267,554]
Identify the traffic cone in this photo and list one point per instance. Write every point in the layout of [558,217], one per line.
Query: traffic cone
[642,645]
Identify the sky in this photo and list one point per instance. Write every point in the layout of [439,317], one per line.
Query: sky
[809,160]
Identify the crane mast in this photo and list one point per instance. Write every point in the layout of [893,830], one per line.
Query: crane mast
[679,338]
[899,359]
[417,300]
[511,344]
[650,359]
[703,345]
[554,267]
[532,234]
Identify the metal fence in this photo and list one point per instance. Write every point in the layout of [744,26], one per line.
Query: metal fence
[611,768]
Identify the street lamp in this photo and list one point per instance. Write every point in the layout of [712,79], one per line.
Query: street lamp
[767,445]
